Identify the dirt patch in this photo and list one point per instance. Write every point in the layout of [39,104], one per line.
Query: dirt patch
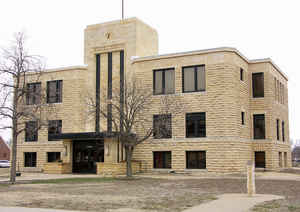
[144,194]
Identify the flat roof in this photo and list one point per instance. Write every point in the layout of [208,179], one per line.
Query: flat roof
[206,51]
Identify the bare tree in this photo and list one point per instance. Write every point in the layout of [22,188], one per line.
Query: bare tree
[131,117]
[19,102]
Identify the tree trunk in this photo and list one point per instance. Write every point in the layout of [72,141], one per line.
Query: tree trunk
[128,151]
[15,136]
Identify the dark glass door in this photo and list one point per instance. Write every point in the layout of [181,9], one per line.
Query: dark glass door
[86,154]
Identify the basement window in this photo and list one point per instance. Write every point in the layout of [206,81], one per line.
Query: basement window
[53,156]
[196,159]
[162,160]
[29,159]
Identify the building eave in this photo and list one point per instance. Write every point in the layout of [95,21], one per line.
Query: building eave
[208,51]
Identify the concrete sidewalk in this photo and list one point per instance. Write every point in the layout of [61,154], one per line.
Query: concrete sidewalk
[20,209]
[233,203]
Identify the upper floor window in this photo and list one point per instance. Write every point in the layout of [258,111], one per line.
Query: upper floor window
[259,126]
[164,81]
[258,84]
[162,126]
[33,95]
[31,131]
[193,78]
[54,127]
[195,125]
[241,74]
[54,91]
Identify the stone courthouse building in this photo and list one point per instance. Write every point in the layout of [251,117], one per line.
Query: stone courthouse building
[236,109]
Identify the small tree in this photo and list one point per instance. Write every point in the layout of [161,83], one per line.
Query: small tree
[20,103]
[131,118]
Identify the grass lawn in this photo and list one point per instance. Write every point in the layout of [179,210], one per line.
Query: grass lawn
[145,194]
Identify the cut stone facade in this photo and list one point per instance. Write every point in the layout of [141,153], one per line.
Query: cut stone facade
[228,143]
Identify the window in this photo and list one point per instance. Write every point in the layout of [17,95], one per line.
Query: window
[258,84]
[277,128]
[54,127]
[282,128]
[29,159]
[163,81]
[243,118]
[260,160]
[162,160]
[162,126]
[242,74]
[54,91]
[53,156]
[31,131]
[280,159]
[195,125]
[259,126]
[196,160]
[33,95]
[193,78]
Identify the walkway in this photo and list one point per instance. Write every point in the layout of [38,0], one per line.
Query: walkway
[19,209]
[233,203]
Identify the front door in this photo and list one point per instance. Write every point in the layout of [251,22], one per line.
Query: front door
[86,154]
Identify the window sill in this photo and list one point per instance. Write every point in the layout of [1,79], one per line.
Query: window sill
[195,170]
[200,91]
[259,97]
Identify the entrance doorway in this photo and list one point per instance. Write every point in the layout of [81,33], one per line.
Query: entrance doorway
[260,160]
[86,154]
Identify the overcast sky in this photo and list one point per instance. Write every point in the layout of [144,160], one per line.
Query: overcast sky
[258,28]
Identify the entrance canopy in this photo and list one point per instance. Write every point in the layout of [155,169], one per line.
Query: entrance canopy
[83,136]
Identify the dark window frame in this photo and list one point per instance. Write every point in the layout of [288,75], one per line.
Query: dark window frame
[199,162]
[255,93]
[241,74]
[163,80]
[196,117]
[33,96]
[162,117]
[243,117]
[53,157]
[58,128]
[195,78]
[32,157]
[282,131]
[58,91]
[277,129]
[31,131]
[256,119]
[164,162]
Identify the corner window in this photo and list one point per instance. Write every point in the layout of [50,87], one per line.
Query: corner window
[195,125]
[53,156]
[29,159]
[164,81]
[241,74]
[33,95]
[54,127]
[31,131]
[243,118]
[54,91]
[193,78]
[162,126]
[258,85]
[196,160]
[162,160]
[259,126]
[277,129]
[282,126]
